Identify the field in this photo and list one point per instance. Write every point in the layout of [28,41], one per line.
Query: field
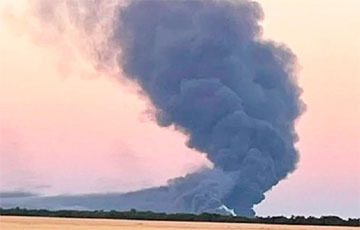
[43,223]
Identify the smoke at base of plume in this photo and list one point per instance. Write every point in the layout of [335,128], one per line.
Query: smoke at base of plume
[207,71]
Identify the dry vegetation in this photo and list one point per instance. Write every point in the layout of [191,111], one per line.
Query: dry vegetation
[43,223]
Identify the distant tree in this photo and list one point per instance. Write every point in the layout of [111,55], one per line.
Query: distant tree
[149,215]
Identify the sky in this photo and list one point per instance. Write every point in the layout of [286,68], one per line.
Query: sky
[65,129]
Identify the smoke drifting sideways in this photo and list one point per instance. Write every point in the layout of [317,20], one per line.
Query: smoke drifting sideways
[207,71]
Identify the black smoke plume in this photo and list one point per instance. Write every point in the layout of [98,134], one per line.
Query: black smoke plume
[208,73]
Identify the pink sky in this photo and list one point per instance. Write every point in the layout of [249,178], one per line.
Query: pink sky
[69,131]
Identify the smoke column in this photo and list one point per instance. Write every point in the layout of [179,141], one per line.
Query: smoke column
[208,73]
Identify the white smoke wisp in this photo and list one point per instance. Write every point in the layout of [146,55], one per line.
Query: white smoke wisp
[227,210]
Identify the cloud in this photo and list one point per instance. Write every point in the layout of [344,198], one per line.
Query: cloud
[16,194]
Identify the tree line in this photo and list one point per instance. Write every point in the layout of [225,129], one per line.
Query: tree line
[206,217]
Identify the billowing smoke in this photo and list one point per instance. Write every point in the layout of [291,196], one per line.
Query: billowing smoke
[208,73]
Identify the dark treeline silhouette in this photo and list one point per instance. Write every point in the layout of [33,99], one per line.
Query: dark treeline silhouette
[208,217]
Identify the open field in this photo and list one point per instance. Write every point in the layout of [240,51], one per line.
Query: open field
[44,223]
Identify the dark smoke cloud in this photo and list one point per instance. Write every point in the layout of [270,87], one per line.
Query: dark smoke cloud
[207,71]
[209,74]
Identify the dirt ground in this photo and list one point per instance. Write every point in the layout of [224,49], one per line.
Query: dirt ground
[43,223]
